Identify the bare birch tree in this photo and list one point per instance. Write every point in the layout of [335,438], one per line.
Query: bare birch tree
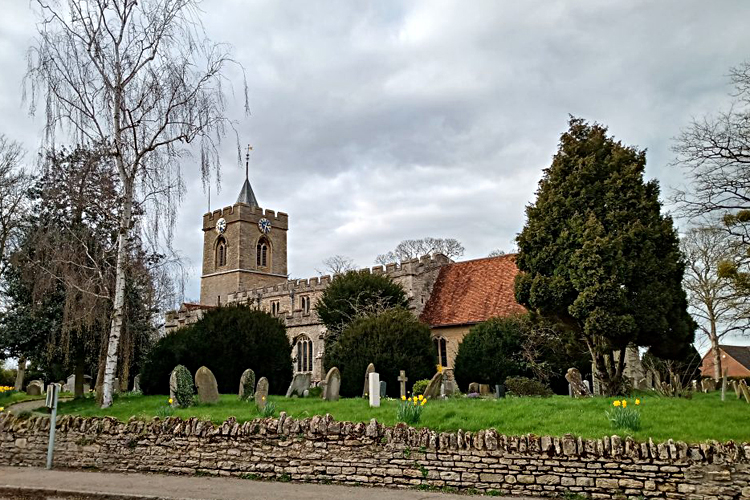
[13,185]
[714,300]
[337,264]
[413,249]
[142,78]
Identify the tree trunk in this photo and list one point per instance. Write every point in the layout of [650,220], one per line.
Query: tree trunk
[20,372]
[717,357]
[79,375]
[123,244]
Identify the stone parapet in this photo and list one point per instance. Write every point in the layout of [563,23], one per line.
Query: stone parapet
[320,449]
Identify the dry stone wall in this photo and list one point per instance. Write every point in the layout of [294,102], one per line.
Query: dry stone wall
[321,449]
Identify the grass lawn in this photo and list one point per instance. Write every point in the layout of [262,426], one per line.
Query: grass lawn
[702,418]
[16,397]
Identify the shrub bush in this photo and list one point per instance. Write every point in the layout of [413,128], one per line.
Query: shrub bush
[393,340]
[523,386]
[185,389]
[227,340]
[491,352]
[419,386]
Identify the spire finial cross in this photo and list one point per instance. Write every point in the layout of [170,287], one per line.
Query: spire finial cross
[247,162]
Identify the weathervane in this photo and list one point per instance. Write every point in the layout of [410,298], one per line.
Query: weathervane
[247,161]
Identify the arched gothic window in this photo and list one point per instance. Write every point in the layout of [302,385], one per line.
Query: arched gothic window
[221,252]
[441,345]
[261,253]
[304,354]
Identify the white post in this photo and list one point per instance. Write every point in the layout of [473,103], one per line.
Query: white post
[52,392]
[374,390]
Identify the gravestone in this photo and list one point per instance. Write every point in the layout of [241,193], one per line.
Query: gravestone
[383,392]
[499,391]
[173,388]
[117,387]
[737,390]
[366,390]
[450,387]
[708,385]
[35,388]
[433,388]
[322,385]
[247,385]
[205,384]
[473,388]
[70,383]
[261,393]
[745,390]
[402,383]
[576,383]
[306,393]
[300,383]
[484,389]
[694,384]
[374,389]
[333,385]
[136,384]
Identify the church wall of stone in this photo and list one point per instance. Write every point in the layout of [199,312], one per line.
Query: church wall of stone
[453,336]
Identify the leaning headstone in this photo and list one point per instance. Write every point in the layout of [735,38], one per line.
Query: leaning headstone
[300,383]
[484,389]
[247,385]
[261,393]
[333,385]
[474,388]
[173,388]
[374,389]
[402,379]
[205,383]
[737,390]
[35,388]
[574,379]
[366,390]
[433,388]
[745,390]
[137,383]
[450,387]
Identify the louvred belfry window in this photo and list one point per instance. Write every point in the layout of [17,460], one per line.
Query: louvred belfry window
[262,253]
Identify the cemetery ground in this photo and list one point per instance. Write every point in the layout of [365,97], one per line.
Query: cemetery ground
[703,417]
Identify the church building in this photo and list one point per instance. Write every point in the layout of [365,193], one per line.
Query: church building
[245,261]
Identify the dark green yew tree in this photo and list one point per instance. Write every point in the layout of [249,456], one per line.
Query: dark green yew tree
[597,255]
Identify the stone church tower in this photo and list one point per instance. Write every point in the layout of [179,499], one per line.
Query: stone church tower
[244,247]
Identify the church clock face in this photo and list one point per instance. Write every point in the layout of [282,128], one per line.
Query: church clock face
[264,225]
[221,225]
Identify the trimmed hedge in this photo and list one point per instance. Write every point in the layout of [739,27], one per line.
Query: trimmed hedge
[227,340]
[393,340]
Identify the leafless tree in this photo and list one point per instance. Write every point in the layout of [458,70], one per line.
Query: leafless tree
[413,249]
[496,253]
[142,78]
[337,264]
[14,183]
[714,152]
[714,300]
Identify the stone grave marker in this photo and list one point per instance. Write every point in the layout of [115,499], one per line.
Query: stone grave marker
[402,379]
[247,385]
[694,384]
[473,388]
[261,392]
[450,387]
[136,384]
[574,379]
[35,388]
[745,390]
[366,390]
[374,389]
[383,387]
[708,385]
[306,393]
[433,388]
[173,388]
[322,385]
[333,385]
[205,383]
[484,389]
[737,390]
[117,387]
[300,383]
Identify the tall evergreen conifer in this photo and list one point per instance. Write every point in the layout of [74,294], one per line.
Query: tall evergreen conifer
[597,255]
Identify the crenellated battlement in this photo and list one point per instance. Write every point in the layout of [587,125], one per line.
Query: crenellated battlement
[241,211]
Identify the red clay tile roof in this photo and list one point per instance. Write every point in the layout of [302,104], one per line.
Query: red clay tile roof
[740,353]
[473,291]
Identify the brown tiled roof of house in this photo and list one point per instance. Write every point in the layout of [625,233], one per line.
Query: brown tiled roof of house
[473,291]
[740,353]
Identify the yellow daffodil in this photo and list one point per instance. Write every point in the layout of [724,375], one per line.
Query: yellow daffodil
[624,403]
[415,403]
[616,403]
[637,402]
[423,402]
[421,397]
[170,400]
[2,408]
[263,398]
[403,398]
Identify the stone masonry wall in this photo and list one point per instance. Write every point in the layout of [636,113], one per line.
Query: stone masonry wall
[320,449]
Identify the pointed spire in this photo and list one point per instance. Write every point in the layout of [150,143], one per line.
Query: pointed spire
[246,194]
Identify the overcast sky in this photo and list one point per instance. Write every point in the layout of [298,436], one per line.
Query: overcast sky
[372,123]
